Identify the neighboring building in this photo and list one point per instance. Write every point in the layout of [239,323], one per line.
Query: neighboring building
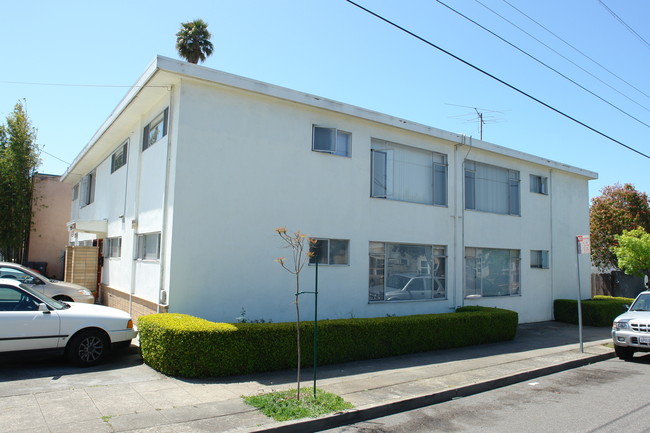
[187,179]
[49,235]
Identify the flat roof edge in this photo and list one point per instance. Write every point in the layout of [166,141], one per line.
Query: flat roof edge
[239,82]
[161,63]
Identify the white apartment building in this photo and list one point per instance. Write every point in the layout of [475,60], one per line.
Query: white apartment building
[185,182]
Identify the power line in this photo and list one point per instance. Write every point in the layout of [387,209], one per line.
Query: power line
[575,49]
[570,61]
[620,20]
[496,78]
[55,157]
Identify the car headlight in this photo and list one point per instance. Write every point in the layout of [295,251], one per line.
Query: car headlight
[85,292]
[623,324]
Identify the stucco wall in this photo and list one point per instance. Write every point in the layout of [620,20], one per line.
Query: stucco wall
[245,166]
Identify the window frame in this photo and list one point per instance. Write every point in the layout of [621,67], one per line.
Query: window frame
[333,148]
[110,244]
[141,246]
[119,157]
[514,258]
[87,189]
[512,188]
[382,152]
[379,264]
[538,184]
[539,259]
[161,118]
[326,259]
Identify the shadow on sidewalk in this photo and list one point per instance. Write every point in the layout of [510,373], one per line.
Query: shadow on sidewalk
[39,365]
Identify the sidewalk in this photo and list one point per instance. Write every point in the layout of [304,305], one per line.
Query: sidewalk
[127,396]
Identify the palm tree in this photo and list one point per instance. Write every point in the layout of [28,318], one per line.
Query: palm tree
[193,41]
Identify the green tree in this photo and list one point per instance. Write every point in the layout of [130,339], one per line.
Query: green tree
[633,252]
[19,158]
[618,208]
[193,41]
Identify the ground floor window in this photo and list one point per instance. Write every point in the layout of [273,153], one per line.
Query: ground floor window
[539,259]
[149,246]
[404,272]
[491,272]
[330,251]
[113,247]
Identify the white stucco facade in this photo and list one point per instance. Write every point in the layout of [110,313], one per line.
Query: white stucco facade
[236,161]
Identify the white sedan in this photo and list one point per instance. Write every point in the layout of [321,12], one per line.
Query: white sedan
[85,333]
[59,290]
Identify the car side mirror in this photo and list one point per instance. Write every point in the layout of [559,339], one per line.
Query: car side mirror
[626,307]
[42,307]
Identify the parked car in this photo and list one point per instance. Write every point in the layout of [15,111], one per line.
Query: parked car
[631,330]
[32,321]
[58,290]
[408,286]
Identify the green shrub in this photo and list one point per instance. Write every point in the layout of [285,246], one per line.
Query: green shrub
[600,311]
[182,345]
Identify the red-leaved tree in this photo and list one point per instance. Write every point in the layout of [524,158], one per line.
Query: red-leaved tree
[618,208]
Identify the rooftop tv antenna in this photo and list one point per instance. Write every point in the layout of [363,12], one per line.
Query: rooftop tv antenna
[482,115]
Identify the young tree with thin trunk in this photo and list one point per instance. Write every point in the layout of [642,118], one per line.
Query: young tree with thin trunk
[19,158]
[300,256]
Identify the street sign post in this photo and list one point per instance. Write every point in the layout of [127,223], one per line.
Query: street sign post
[584,247]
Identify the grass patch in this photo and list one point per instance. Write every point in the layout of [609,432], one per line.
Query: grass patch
[283,405]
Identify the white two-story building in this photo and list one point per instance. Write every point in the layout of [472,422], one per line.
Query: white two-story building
[185,182]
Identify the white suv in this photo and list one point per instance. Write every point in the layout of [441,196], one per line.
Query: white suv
[631,330]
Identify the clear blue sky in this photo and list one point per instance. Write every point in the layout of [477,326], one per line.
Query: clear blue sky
[332,49]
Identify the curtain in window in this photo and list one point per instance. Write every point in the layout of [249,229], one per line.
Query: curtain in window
[408,174]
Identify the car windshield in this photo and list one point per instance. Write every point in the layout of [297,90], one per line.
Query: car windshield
[642,303]
[54,304]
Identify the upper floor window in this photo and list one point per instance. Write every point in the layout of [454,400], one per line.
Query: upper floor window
[148,246]
[408,174]
[491,272]
[118,159]
[538,184]
[75,192]
[331,140]
[88,189]
[330,252]
[113,247]
[490,188]
[155,130]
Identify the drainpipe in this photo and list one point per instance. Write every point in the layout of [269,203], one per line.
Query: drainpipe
[136,212]
[459,226]
[164,230]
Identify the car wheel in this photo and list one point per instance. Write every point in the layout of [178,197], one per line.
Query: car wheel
[62,298]
[87,348]
[624,353]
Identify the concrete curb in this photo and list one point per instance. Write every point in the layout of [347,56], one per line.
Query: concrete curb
[365,414]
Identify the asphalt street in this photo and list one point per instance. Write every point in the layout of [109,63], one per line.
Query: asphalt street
[609,396]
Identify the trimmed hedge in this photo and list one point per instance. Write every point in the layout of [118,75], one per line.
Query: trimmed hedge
[182,345]
[600,311]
